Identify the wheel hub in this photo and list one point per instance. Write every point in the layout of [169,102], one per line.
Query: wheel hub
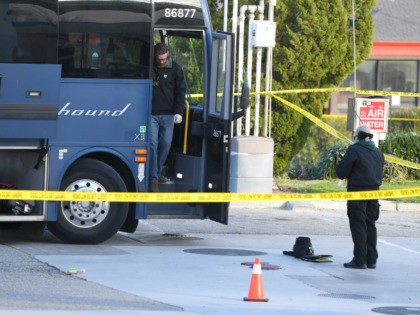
[85,214]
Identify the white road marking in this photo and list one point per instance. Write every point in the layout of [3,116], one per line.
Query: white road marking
[399,247]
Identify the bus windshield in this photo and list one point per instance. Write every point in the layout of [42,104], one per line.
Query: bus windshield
[91,39]
[104,39]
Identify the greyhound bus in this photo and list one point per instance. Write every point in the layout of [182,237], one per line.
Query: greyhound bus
[76,80]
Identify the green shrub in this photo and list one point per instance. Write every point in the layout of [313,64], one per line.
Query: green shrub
[405,125]
[325,168]
[402,145]
[314,161]
[305,164]
[405,146]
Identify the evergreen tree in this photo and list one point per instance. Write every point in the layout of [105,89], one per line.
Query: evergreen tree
[216,11]
[314,49]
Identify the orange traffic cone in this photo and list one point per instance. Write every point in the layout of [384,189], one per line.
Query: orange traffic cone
[256,289]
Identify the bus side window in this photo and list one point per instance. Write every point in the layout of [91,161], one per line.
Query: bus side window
[8,36]
[32,34]
[66,55]
[22,52]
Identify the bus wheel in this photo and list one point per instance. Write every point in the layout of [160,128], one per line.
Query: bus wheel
[90,222]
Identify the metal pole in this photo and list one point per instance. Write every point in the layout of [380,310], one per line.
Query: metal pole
[268,77]
[258,77]
[225,15]
[234,31]
[249,70]
[354,49]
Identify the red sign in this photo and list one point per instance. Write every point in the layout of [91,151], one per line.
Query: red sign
[374,114]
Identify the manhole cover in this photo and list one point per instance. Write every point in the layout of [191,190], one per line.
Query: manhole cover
[347,296]
[224,252]
[264,265]
[397,310]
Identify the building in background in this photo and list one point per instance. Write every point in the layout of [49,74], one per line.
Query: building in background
[393,64]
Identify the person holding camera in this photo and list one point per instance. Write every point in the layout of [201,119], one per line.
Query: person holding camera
[168,102]
[362,166]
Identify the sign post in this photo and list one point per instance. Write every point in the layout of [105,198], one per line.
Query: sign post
[373,112]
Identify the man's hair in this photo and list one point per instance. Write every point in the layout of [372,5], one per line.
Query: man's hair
[161,49]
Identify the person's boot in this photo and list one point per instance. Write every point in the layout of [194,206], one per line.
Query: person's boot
[354,265]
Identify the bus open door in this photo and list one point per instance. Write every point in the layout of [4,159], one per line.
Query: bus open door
[199,158]
[219,121]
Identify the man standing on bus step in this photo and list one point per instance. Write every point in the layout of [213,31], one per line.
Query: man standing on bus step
[362,165]
[168,102]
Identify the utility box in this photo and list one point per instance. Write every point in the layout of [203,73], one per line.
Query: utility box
[251,164]
[263,34]
[371,111]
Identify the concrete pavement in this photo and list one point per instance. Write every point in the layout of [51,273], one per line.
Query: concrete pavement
[164,268]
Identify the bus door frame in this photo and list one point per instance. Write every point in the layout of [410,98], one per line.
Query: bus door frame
[219,121]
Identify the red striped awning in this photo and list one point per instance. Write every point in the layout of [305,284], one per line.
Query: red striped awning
[395,49]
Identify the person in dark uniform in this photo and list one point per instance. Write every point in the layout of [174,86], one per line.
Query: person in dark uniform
[362,166]
[168,102]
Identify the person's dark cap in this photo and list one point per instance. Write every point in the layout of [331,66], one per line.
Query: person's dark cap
[363,132]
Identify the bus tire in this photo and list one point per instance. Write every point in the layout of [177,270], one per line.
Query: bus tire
[90,222]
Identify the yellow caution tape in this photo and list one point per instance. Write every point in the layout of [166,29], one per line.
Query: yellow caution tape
[334,116]
[396,160]
[318,90]
[391,118]
[333,89]
[314,119]
[233,197]
[329,90]
[405,119]
[345,89]
[339,135]
[387,93]
[201,197]
[238,197]
[331,130]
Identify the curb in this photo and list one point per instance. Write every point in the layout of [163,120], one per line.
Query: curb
[386,205]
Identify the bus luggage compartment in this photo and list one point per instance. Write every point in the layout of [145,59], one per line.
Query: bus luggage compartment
[29,96]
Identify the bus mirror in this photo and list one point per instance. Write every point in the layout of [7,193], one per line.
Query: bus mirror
[243,102]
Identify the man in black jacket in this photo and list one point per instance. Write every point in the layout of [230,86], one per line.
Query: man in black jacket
[168,102]
[362,165]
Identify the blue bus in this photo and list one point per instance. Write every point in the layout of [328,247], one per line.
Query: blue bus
[75,110]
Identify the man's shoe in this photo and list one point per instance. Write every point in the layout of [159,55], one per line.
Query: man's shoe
[353,265]
[371,266]
[154,187]
[162,179]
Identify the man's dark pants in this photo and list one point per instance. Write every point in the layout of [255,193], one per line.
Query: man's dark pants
[362,217]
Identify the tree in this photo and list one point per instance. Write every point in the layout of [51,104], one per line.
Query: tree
[216,11]
[314,49]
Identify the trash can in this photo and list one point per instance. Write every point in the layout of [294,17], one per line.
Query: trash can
[251,164]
